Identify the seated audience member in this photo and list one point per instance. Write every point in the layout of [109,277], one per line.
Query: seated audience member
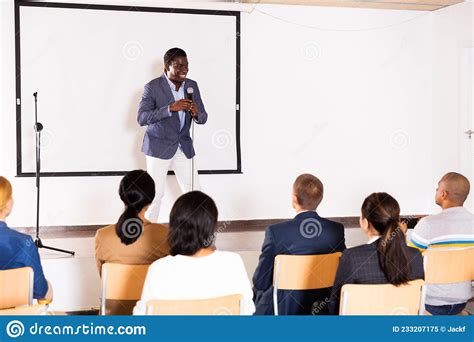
[133,240]
[306,234]
[452,228]
[195,269]
[385,259]
[19,250]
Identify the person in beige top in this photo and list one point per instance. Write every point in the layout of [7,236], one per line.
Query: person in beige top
[133,240]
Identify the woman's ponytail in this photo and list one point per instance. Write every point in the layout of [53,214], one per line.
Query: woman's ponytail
[383,212]
[129,226]
[393,254]
[137,191]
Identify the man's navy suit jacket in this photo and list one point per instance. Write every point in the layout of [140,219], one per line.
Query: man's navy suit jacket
[306,234]
[163,134]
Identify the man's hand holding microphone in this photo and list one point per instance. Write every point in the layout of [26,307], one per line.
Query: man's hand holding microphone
[186,104]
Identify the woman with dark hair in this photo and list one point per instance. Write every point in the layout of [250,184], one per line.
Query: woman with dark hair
[133,240]
[195,269]
[386,258]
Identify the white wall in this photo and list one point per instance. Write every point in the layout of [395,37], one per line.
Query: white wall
[351,95]
[452,98]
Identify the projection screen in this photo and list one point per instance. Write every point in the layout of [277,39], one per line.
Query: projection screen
[89,64]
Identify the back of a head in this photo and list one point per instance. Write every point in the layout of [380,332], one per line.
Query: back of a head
[308,190]
[173,53]
[5,192]
[193,221]
[137,190]
[457,186]
[383,213]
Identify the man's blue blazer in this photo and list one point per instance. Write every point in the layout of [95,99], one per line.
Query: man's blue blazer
[306,234]
[163,134]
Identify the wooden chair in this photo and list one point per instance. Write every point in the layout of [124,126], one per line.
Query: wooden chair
[448,266]
[221,306]
[122,282]
[303,272]
[29,310]
[16,287]
[383,299]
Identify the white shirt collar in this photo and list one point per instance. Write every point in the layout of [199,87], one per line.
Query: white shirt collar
[372,240]
[172,85]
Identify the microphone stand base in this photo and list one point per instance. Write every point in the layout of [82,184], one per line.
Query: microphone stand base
[39,244]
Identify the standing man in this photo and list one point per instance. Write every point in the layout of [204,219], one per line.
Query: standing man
[167,110]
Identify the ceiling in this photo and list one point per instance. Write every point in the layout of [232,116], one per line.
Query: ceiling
[418,5]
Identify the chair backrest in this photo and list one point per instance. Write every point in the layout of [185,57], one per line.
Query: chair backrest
[16,287]
[29,310]
[303,272]
[448,266]
[220,306]
[122,282]
[383,299]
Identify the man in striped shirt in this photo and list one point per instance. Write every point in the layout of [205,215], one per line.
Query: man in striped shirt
[452,228]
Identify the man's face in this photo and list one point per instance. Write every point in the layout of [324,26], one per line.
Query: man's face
[177,69]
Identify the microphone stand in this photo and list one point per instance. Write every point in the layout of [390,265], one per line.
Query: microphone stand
[38,128]
[192,160]
[189,96]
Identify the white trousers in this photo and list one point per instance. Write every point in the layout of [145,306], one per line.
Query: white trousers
[158,169]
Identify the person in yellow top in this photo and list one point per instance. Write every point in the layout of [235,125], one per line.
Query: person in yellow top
[133,240]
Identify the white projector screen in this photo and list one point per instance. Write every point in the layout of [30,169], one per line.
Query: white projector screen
[89,65]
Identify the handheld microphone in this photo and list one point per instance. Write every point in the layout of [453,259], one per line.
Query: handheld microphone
[189,93]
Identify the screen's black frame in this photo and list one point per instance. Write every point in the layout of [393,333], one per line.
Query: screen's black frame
[20,3]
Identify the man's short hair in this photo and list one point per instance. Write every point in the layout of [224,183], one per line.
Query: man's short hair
[173,53]
[308,190]
[457,186]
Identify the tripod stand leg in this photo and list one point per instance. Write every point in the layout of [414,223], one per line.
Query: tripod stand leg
[39,244]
